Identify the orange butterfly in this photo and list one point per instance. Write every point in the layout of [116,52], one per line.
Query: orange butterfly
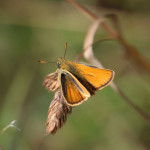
[80,81]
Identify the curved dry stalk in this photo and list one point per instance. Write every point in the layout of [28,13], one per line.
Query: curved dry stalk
[88,53]
[131,50]
[89,56]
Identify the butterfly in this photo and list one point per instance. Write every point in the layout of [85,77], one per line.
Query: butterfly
[80,81]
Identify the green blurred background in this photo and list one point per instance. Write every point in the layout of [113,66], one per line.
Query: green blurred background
[33,30]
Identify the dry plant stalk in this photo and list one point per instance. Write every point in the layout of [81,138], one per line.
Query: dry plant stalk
[89,56]
[58,109]
[57,113]
[50,82]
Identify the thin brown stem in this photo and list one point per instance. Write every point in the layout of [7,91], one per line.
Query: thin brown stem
[136,108]
[90,57]
[95,42]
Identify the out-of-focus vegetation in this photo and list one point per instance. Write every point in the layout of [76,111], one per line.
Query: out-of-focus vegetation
[33,30]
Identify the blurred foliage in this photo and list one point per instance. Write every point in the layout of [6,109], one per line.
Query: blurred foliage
[33,30]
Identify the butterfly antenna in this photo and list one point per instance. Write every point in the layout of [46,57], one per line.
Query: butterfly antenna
[65,49]
[44,62]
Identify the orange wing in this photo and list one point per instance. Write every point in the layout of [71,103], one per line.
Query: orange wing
[91,77]
[73,91]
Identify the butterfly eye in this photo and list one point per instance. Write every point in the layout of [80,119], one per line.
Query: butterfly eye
[59,64]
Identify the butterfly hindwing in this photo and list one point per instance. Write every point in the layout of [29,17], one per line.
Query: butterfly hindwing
[73,91]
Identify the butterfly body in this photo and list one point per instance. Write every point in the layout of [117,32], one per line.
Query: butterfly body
[80,81]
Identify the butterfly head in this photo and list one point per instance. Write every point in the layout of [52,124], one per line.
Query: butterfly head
[59,61]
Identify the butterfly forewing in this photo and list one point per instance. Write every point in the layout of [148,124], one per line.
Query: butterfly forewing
[73,91]
[91,77]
